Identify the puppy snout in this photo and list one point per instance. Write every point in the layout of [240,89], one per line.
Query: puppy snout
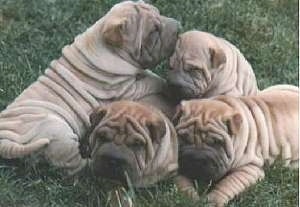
[174,24]
[110,166]
[113,161]
[204,164]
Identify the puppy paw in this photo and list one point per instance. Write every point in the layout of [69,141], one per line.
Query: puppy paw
[216,200]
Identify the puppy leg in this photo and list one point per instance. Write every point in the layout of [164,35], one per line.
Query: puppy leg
[64,153]
[148,83]
[63,149]
[46,133]
[233,184]
[186,187]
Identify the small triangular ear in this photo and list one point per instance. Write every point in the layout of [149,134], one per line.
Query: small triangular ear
[157,130]
[217,57]
[97,115]
[234,123]
[112,33]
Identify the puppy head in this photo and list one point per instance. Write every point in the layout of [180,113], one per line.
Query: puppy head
[205,130]
[132,140]
[138,33]
[196,59]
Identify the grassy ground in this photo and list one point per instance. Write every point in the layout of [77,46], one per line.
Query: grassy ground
[32,33]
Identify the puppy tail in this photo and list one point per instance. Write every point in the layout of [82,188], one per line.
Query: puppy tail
[10,150]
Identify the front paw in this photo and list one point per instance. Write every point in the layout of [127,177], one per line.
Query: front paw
[186,187]
[216,200]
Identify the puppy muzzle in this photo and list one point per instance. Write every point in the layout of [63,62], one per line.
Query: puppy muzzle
[205,164]
[170,32]
[112,162]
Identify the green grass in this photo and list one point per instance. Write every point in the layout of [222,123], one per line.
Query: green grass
[32,33]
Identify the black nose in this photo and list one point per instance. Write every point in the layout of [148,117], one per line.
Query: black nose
[110,166]
[112,160]
[202,164]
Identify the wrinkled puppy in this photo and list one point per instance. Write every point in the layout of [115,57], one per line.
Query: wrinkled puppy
[103,64]
[132,140]
[204,65]
[228,140]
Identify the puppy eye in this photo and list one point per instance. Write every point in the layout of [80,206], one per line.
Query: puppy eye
[210,141]
[104,139]
[185,140]
[153,35]
[190,69]
[136,144]
[152,38]
[103,136]
[213,141]
[157,27]
[195,69]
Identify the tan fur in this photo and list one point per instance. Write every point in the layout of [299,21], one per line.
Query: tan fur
[103,64]
[204,65]
[123,124]
[266,129]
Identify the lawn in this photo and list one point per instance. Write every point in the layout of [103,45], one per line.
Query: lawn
[32,33]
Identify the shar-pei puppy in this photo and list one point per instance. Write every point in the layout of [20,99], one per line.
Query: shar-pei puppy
[228,140]
[103,64]
[132,142]
[204,65]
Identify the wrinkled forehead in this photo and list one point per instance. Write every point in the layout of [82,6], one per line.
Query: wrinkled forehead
[138,111]
[205,109]
[195,44]
[189,51]
[196,39]
[129,7]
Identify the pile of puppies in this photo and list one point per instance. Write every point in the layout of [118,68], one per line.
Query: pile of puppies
[98,107]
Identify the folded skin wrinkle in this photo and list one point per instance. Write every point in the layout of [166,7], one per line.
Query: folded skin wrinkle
[100,66]
[204,66]
[230,139]
[132,138]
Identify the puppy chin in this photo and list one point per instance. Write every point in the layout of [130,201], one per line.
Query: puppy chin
[204,164]
[101,167]
[112,163]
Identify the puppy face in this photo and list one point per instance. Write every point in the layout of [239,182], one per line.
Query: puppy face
[131,140]
[205,129]
[195,62]
[137,32]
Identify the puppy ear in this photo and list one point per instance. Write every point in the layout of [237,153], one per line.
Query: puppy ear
[97,115]
[217,57]
[156,129]
[234,123]
[177,115]
[113,32]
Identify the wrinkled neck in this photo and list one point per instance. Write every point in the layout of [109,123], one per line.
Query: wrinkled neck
[225,77]
[90,53]
[236,76]
[247,143]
